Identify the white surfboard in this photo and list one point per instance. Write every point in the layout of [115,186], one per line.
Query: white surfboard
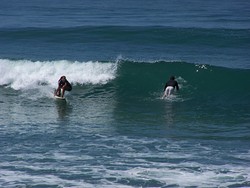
[60,98]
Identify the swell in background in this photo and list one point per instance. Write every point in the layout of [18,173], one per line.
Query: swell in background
[219,47]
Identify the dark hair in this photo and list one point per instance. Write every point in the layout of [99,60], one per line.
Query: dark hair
[172,77]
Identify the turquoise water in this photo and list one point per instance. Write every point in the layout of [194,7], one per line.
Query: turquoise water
[114,130]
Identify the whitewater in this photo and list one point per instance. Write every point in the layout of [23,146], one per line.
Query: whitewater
[25,74]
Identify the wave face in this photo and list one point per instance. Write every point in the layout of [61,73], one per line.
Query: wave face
[130,79]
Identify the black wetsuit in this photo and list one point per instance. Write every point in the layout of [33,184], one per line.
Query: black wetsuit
[172,83]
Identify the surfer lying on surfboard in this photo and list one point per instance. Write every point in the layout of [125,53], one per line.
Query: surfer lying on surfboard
[170,86]
[63,85]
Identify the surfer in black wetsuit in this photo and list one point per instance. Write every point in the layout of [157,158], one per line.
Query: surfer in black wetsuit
[64,85]
[170,86]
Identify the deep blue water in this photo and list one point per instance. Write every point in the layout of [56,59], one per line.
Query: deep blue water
[114,130]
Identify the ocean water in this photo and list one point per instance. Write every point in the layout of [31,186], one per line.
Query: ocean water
[114,129]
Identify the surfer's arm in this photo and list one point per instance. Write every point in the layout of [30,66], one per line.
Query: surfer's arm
[177,86]
[64,85]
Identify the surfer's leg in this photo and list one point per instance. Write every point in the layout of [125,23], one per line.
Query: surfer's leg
[62,92]
[57,92]
[169,90]
[165,94]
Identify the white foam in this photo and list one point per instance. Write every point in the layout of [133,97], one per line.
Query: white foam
[132,167]
[25,74]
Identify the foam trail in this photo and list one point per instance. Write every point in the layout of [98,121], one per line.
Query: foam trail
[25,74]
